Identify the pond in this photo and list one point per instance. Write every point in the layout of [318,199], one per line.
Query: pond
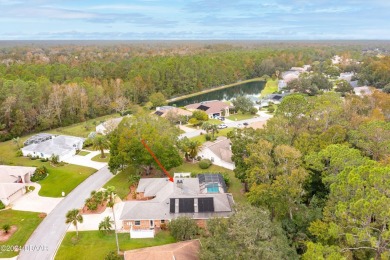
[249,89]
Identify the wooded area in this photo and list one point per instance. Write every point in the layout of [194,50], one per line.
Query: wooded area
[48,85]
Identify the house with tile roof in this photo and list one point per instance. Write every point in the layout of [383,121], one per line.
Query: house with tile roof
[160,201]
[214,108]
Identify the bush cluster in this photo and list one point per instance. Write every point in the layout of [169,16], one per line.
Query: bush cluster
[39,174]
[2,206]
[205,164]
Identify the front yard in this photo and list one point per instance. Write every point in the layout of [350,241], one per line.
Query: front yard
[98,158]
[221,132]
[26,223]
[240,116]
[96,245]
[121,184]
[61,178]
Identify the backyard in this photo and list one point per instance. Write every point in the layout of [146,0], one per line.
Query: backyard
[235,184]
[26,223]
[96,245]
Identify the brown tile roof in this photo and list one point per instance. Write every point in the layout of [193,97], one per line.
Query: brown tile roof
[210,107]
[186,250]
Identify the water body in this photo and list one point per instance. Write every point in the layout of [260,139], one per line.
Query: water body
[250,89]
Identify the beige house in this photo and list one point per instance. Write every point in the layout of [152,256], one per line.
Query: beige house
[108,126]
[160,201]
[214,108]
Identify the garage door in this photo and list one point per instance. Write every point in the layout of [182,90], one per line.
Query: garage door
[16,195]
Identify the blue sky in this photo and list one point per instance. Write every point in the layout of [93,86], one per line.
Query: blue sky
[194,19]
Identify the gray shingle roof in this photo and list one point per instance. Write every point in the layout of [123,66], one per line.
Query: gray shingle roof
[159,207]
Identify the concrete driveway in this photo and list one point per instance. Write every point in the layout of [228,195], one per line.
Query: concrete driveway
[92,221]
[52,229]
[86,160]
[35,203]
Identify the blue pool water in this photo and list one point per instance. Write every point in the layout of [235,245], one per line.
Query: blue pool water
[212,188]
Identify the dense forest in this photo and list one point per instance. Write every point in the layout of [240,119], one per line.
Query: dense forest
[43,86]
[321,168]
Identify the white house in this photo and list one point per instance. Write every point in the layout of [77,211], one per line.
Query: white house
[213,108]
[64,146]
[12,182]
[219,152]
[108,126]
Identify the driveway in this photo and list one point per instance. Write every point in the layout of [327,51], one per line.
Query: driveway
[45,240]
[86,160]
[35,203]
[92,221]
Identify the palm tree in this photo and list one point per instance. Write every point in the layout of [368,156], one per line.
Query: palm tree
[206,126]
[214,129]
[110,191]
[73,216]
[193,148]
[100,142]
[106,224]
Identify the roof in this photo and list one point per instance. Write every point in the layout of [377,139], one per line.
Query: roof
[163,191]
[221,148]
[9,174]
[185,250]
[210,107]
[111,124]
[38,138]
[60,145]
[7,189]
[165,110]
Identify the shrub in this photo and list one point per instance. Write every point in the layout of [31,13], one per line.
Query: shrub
[183,228]
[55,159]
[208,137]
[113,256]
[2,206]
[271,109]
[163,226]
[6,228]
[39,174]
[253,110]
[205,164]
[44,159]
[226,179]
[19,153]
[88,142]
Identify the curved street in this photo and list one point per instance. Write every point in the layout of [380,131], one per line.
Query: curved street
[44,242]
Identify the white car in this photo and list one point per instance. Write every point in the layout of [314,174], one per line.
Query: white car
[221,126]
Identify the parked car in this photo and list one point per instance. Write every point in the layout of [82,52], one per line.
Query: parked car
[221,126]
[245,124]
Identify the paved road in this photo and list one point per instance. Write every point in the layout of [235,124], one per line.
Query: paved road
[43,243]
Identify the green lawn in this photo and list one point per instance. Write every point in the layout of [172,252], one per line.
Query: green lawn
[82,129]
[221,132]
[83,153]
[96,245]
[121,184]
[240,116]
[62,178]
[235,184]
[98,158]
[270,87]
[26,223]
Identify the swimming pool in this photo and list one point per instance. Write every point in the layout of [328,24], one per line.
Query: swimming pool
[212,188]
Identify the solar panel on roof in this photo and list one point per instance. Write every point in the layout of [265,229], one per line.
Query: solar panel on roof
[205,204]
[186,205]
[203,107]
[172,206]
